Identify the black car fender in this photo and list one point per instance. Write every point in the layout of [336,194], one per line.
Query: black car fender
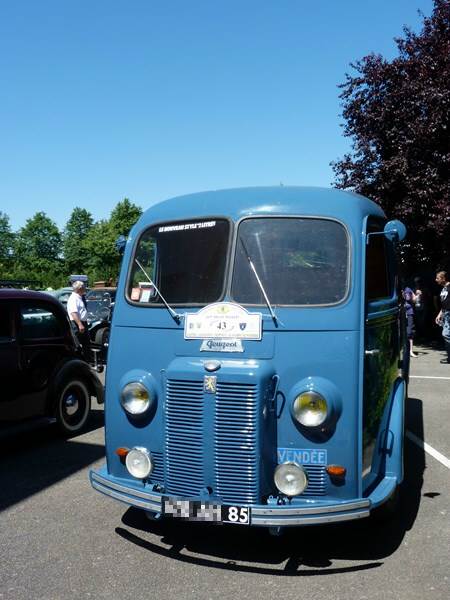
[72,368]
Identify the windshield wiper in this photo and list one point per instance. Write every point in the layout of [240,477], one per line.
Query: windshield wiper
[176,317]
[261,287]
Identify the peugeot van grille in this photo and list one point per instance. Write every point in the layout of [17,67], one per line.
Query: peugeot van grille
[231,457]
[236,449]
[184,437]
[316,481]
[157,475]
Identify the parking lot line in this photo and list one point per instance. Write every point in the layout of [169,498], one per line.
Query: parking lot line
[434,453]
[426,377]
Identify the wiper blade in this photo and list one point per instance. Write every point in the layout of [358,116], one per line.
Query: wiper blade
[176,317]
[261,287]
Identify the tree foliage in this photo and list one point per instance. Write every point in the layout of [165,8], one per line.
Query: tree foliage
[40,252]
[77,228]
[37,250]
[397,114]
[6,245]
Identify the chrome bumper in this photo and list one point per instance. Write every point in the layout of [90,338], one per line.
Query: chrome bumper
[269,516]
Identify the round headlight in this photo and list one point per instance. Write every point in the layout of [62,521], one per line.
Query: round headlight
[135,398]
[139,463]
[310,409]
[290,479]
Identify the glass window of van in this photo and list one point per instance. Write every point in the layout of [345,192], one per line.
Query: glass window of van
[379,284]
[186,260]
[300,261]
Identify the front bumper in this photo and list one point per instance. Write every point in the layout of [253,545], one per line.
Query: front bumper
[314,513]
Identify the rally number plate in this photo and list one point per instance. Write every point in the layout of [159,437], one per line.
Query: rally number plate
[198,510]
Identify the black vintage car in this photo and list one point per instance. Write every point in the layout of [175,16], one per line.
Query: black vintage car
[100,304]
[42,372]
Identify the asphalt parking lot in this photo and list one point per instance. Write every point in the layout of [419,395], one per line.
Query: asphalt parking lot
[59,539]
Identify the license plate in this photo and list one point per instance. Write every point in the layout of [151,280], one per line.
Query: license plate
[197,510]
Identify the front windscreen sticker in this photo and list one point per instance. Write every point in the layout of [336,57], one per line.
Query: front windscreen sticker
[223,320]
[303,456]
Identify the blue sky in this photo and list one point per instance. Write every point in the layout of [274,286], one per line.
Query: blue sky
[106,99]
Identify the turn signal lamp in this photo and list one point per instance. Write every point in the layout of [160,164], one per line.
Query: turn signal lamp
[336,470]
[122,452]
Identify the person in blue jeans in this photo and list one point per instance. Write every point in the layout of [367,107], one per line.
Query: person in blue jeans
[443,318]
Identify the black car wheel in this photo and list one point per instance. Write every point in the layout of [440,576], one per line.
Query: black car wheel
[102,336]
[73,405]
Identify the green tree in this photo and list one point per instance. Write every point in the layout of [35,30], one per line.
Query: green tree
[76,255]
[397,114]
[102,255]
[99,244]
[6,246]
[124,216]
[37,251]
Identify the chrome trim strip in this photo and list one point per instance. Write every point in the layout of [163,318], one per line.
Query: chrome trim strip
[121,488]
[260,516]
[311,510]
[280,521]
[126,499]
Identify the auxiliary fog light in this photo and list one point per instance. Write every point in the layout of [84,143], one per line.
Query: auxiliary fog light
[135,398]
[139,463]
[290,478]
[310,409]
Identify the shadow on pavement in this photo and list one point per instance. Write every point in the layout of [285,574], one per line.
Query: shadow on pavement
[37,458]
[301,551]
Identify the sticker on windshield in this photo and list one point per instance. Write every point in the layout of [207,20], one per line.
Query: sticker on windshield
[186,226]
[223,320]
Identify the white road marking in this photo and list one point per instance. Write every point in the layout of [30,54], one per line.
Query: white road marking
[434,453]
[427,377]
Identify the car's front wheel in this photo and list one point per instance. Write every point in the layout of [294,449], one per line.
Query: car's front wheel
[73,405]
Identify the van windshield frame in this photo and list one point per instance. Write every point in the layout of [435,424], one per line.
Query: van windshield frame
[187,260]
[301,261]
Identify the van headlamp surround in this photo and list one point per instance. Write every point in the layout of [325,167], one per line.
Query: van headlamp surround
[137,394]
[135,398]
[315,403]
[310,409]
[290,478]
[139,462]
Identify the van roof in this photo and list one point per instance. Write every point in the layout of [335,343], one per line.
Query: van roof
[265,201]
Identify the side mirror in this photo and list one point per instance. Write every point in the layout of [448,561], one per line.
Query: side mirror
[120,244]
[395,230]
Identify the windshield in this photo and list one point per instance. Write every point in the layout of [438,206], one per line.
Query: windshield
[186,261]
[300,261]
[98,304]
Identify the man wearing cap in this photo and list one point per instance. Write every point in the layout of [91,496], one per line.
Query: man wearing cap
[76,309]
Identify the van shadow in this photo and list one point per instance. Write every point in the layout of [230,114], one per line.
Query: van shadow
[304,551]
[36,457]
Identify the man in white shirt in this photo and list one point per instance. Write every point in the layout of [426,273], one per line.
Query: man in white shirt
[76,309]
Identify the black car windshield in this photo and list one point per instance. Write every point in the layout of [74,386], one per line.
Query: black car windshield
[185,260]
[99,303]
[300,261]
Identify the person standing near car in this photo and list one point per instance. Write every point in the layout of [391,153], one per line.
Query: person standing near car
[76,308]
[443,318]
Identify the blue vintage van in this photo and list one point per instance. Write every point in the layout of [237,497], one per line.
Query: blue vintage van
[256,370]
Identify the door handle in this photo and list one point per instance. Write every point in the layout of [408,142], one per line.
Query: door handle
[372,352]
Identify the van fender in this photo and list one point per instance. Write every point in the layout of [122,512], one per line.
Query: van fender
[396,432]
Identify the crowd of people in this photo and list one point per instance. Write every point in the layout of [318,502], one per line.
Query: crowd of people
[427,311]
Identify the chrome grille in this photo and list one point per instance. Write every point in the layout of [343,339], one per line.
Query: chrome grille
[184,437]
[157,475]
[236,448]
[316,480]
